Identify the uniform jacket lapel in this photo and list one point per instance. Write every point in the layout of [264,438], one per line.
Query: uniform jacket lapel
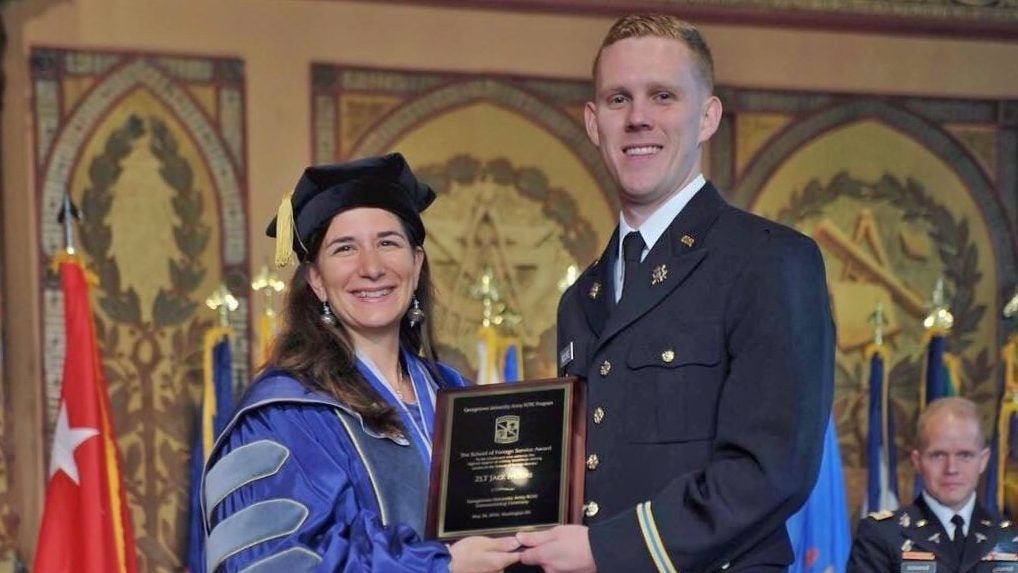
[930,536]
[675,255]
[596,287]
[981,538]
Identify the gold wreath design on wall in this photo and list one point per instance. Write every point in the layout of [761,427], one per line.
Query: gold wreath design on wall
[153,430]
[556,203]
[171,307]
[960,260]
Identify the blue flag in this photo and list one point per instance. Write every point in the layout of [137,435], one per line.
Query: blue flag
[1001,477]
[991,497]
[939,381]
[216,407]
[513,369]
[820,532]
[881,457]
[940,377]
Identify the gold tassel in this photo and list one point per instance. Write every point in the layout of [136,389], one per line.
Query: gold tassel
[284,232]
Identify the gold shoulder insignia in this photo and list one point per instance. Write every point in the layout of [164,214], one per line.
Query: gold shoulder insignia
[881,515]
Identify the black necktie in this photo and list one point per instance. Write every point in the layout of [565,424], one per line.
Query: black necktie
[632,248]
[959,534]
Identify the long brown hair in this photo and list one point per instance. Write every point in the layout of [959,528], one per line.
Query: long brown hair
[322,357]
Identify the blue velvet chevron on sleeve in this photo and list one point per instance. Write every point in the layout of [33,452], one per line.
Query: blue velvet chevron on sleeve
[285,491]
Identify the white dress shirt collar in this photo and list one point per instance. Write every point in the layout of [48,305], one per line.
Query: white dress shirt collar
[944,513]
[655,225]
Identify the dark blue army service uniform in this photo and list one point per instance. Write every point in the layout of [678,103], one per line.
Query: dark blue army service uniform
[708,391]
[913,540]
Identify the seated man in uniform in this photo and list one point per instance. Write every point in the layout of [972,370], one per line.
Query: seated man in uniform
[945,530]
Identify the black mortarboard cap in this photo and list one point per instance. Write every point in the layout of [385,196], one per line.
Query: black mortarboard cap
[323,191]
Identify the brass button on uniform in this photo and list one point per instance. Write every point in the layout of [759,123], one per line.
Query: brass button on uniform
[598,415]
[668,356]
[606,367]
[591,508]
[592,462]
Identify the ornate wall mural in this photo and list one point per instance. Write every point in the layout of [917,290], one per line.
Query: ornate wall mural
[898,193]
[151,148]
[522,194]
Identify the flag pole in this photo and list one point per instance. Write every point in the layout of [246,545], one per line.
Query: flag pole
[222,301]
[494,344]
[268,284]
[86,522]
[938,324]
[996,490]
[68,212]
[216,405]
[882,489]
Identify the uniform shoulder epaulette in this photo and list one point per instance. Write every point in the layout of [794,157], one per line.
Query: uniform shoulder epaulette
[880,515]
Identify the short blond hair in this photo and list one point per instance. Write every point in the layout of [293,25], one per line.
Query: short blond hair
[953,405]
[662,26]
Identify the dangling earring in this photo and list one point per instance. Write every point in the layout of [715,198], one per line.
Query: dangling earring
[326,316]
[415,315]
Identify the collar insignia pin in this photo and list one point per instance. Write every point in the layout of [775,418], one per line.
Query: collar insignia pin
[920,523]
[935,537]
[905,520]
[659,275]
[980,537]
[687,240]
[595,289]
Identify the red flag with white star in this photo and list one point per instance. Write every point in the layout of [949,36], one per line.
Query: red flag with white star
[86,526]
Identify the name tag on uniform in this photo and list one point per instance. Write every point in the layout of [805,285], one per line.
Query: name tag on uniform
[1001,556]
[565,356]
[918,562]
[1004,568]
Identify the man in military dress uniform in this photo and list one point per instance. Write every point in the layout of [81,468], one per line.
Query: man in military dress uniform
[946,530]
[704,334]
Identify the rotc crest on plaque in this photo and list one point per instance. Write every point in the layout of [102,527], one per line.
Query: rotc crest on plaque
[507,429]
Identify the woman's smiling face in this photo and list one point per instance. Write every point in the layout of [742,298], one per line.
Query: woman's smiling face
[367,269]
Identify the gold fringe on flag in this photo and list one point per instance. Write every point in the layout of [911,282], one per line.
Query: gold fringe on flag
[488,371]
[1008,408]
